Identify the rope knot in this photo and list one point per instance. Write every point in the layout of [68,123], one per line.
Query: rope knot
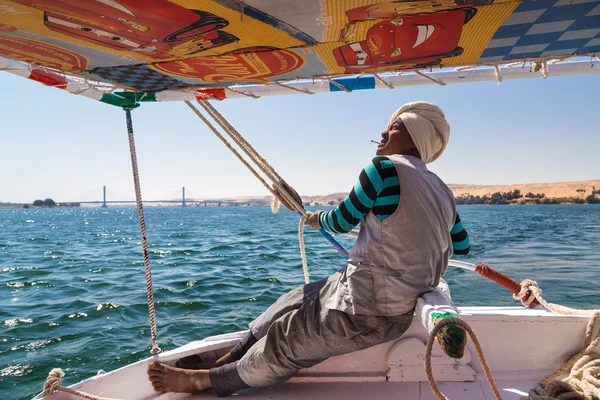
[528,293]
[53,381]
[555,390]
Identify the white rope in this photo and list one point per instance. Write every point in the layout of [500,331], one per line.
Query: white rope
[275,205]
[498,73]
[247,94]
[428,350]
[583,369]
[265,167]
[53,385]
[283,85]
[339,85]
[240,141]
[431,78]
[545,69]
[302,249]
[233,150]
[278,186]
[380,79]
[140,209]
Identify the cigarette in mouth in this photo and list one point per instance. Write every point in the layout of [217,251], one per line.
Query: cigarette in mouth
[375,141]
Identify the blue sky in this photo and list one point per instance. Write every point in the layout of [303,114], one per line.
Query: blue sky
[66,147]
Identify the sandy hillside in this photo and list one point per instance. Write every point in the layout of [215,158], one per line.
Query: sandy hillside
[553,189]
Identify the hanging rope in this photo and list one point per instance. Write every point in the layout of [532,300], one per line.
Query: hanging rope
[279,184]
[302,249]
[230,147]
[432,338]
[280,189]
[140,209]
[53,382]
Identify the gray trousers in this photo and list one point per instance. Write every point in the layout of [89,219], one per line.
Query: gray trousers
[297,332]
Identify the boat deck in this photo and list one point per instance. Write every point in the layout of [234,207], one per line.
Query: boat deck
[522,346]
[478,390]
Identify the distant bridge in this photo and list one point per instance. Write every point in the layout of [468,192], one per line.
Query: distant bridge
[184,202]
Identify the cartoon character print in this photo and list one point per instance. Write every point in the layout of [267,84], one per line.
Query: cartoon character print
[250,64]
[36,52]
[403,7]
[156,28]
[410,41]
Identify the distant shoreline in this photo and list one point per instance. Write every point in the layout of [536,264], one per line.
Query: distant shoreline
[563,192]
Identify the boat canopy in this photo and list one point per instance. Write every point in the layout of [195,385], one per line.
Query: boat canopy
[215,49]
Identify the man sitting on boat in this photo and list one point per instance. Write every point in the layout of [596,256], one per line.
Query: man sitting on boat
[409,230]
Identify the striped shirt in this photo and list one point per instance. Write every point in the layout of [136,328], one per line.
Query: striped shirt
[378,190]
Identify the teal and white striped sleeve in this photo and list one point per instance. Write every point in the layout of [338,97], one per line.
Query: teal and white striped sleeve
[460,238]
[377,190]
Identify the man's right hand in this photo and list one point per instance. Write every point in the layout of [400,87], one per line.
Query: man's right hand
[313,220]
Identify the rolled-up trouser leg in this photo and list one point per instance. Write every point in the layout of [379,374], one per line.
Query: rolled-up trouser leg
[292,300]
[311,334]
[226,380]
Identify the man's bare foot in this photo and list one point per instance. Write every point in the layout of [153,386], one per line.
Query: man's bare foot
[197,361]
[171,379]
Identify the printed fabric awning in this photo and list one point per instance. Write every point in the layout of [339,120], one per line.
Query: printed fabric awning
[158,45]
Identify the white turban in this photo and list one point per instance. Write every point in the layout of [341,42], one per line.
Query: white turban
[427,126]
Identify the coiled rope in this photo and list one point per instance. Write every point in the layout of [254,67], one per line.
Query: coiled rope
[582,369]
[583,379]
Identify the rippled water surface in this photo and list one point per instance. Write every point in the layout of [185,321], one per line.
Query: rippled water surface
[72,292]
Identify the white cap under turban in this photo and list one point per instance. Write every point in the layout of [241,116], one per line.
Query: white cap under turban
[427,126]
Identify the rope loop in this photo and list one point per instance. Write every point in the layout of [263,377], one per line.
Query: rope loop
[428,369]
[53,381]
[53,385]
[526,294]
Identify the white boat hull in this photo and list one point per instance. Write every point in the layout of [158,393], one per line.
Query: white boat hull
[521,345]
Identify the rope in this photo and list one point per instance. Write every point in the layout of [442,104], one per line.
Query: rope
[583,379]
[240,141]
[506,282]
[279,184]
[302,249]
[339,85]
[430,78]
[283,85]
[280,190]
[431,339]
[230,147]
[380,79]
[140,209]
[530,287]
[53,384]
